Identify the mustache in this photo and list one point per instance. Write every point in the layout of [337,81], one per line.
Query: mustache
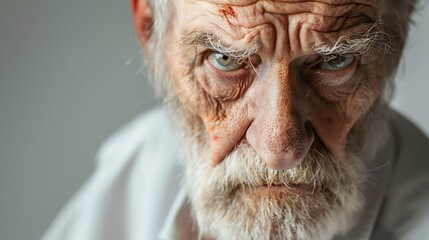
[243,168]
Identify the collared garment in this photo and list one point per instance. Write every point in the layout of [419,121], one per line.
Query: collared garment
[136,192]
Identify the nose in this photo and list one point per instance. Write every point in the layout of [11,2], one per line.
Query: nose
[280,132]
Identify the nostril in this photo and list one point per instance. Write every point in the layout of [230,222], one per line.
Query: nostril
[308,128]
[289,152]
[283,144]
[309,131]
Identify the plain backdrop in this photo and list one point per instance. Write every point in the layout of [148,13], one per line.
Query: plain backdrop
[70,76]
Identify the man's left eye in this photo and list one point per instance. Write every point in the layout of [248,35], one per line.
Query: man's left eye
[224,62]
[338,63]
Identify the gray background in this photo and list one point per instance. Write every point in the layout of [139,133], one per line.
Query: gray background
[65,86]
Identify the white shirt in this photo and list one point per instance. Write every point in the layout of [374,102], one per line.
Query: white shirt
[136,193]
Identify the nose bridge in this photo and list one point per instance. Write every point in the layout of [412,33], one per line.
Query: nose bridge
[279,133]
[282,105]
[282,116]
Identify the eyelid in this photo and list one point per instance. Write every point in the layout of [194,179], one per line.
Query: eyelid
[235,63]
[353,65]
[225,74]
[313,63]
[235,75]
[348,60]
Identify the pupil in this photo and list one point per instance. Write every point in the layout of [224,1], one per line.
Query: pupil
[338,62]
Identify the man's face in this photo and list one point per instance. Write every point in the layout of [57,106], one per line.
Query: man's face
[252,75]
[278,94]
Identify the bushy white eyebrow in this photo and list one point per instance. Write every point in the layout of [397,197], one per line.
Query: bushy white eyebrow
[355,45]
[215,43]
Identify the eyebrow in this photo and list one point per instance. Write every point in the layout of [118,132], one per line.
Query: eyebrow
[356,44]
[350,45]
[215,43]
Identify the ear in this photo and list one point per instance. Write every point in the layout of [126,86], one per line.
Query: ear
[143,21]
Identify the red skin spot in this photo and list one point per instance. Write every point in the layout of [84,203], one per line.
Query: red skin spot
[227,11]
[215,138]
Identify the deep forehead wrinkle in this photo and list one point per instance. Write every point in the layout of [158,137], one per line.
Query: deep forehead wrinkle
[331,8]
[251,2]
[316,7]
[322,15]
[314,22]
[209,39]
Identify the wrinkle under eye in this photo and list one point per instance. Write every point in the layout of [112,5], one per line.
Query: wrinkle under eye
[338,82]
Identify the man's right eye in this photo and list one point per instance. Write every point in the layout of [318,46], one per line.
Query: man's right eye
[224,62]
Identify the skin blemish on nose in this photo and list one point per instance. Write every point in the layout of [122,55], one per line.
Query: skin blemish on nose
[228,11]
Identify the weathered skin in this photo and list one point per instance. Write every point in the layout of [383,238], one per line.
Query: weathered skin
[293,105]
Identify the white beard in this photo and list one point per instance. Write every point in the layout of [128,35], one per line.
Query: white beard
[318,200]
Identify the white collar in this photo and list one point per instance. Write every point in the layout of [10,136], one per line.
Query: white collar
[168,229]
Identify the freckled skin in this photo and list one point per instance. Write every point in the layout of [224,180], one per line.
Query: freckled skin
[289,108]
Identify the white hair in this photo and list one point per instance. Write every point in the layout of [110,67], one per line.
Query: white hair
[357,44]
[226,195]
[154,59]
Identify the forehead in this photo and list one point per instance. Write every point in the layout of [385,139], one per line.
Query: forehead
[331,8]
[322,13]
[304,22]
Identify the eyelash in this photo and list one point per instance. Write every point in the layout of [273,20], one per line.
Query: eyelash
[225,74]
[331,85]
[236,74]
[318,67]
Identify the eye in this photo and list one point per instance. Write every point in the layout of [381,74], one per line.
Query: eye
[224,62]
[338,63]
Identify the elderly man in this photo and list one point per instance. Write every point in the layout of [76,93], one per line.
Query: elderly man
[279,115]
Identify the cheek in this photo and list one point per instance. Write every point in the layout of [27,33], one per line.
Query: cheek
[191,93]
[222,110]
[227,132]
[181,68]
[332,124]
[224,86]
[333,121]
